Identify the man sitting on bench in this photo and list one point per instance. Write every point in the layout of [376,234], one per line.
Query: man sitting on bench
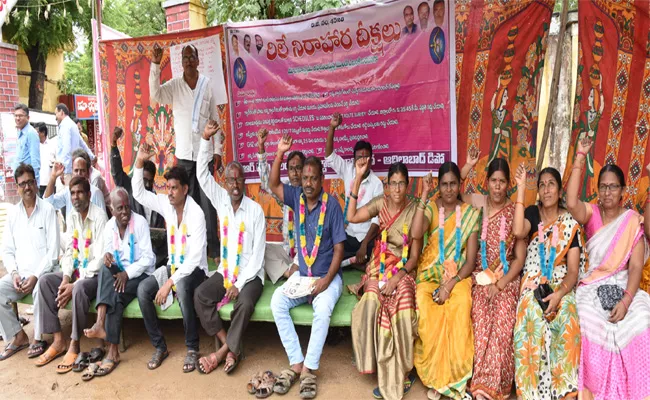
[240,276]
[321,231]
[83,257]
[187,265]
[128,260]
[30,248]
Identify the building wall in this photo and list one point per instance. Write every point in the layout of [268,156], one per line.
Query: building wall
[53,72]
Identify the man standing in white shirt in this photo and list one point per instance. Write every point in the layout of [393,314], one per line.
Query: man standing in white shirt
[69,140]
[240,276]
[193,103]
[77,280]
[81,168]
[30,248]
[278,265]
[187,265]
[128,260]
[48,155]
[360,237]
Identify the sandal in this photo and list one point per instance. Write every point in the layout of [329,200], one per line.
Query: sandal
[66,365]
[254,383]
[265,388]
[96,355]
[90,372]
[308,386]
[12,349]
[208,364]
[284,382]
[48,356]
[408,382]
[189,364]
[106,367]
[231,362]
[36,349]
[157,358]
[82,362]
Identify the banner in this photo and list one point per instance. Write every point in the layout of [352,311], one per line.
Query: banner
[386,67]
[85,106]
[612,105]
[500,50]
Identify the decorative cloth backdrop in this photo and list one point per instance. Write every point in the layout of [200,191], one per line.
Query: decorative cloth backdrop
[500,50]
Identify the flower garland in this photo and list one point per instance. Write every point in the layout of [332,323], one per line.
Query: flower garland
[547,266]
[116,245]
[75,251]
[502,245]
[382,259]
[172,247]
[484,231]
[441,234]
[310,259]
[229,281]
[292,239]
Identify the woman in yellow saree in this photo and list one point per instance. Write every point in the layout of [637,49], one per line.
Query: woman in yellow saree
[444,350]
[384,322]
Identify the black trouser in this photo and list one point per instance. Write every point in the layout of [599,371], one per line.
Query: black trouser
[115,302]
[202,200]
[351,246]
[185,294]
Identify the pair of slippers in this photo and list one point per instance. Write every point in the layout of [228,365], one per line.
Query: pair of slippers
[103,368]
[261,384]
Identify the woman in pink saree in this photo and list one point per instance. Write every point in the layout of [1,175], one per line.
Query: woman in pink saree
[614,314]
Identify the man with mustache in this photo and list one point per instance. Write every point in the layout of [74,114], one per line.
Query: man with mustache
[321,251]
[240,276]
[283,264]
[80,264]
[30,248]
[187,265]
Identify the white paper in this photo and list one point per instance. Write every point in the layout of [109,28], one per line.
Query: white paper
[298,286]
[210,64]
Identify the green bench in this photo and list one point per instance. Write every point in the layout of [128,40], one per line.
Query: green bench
[302,315]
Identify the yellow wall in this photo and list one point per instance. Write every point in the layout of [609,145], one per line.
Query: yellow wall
[198,18]
[53,71]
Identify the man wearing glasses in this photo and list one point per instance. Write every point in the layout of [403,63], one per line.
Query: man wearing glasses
[240,276]
[360,237]
[193,104]
[28,147]
[30,248]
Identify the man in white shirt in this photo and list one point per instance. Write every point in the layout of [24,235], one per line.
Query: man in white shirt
[278,264]
[69,140]
[128,260]
[193,103]
[240,276]
[77,281]
[360,237]
[30,248]
[81,168]
[187,265]
[48,155]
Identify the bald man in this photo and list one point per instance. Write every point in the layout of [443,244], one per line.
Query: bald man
[119,277]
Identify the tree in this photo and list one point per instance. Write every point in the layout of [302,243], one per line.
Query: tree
[41,28]
[221,11]
[134,18]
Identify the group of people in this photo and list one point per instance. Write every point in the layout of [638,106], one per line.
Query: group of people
[472,293]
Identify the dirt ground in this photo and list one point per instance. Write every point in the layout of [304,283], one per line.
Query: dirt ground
[338,377]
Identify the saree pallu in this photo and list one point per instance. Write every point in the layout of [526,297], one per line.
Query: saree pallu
[547,353]
[494,319]
[444,350]
[615,358]
[384,327]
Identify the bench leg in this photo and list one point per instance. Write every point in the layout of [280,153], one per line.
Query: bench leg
[122,342]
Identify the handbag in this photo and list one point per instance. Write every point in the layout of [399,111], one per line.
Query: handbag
[544,290]
[609,296]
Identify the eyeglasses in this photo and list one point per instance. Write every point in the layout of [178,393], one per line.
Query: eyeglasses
[612,187]
[16,116]
[397,185]
[26,183]
[232,181]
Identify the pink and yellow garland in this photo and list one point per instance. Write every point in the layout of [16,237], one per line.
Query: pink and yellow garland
[75,251]
[227,280]
[310,259]
[172,247]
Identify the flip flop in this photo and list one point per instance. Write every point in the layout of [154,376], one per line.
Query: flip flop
[66,365]
[209,364]
[47,357]
[90,372]
[36,349]
[96,355]
[82,362]
[234,361]
[106,367]
[12,349]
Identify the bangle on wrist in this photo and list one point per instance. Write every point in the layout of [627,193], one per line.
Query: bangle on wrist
[520,202]
[581,152]
[403,269]
[457,278]
[565,286]
[354,196]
